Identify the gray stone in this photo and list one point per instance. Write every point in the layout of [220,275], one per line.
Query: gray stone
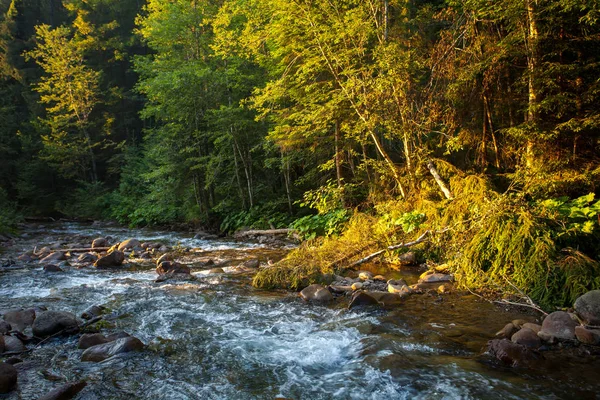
[13,345]
[93,311]
[436,277]
[99,242]
[558,326]
[510,353]
[316,293]
[8,377]
[507,332]
[91,339]
[103,351]
[362,299]
[52,257]
[587,307]
[50,323]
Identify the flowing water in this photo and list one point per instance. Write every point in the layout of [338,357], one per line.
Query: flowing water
[219,338]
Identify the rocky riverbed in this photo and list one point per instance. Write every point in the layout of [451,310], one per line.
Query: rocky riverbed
[97,311]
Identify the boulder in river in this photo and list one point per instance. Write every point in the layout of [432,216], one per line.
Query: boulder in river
[112,259]
[99,242]
[587,307]
[65,391]
[93,311]
[587,336]
[50,323]
[129,244]
[510,353]
[534,327]
[252,263]
[8,377]
[52,268]
[316,293]
[507,332]
[527,338]
[88,340]
[4,327]
[171,267]
[435,278]
[52,257]
[164,257]
[558,325]
[12,344]
[19,319]
[87,258]
[101,352]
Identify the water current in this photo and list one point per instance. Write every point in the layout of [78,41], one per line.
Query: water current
[219,338]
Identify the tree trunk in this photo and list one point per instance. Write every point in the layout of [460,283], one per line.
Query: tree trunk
[338,155]
[533,67]
[439,180]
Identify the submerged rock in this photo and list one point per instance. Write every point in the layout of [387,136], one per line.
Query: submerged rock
[101,352]
[587,307]
[362,299]
[93,311]
[50,323]
[65,392]
[8,377]
[316,293]
[171,267]
[113,259]
[510,353]
[52,268]
[558,326]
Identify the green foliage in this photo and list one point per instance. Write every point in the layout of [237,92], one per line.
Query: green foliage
[327,224]
[263,217]
[9,216]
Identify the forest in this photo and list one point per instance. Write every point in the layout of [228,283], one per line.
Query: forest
[359,124]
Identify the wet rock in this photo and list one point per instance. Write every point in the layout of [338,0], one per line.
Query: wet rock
[316,293]
[19,319]
[362,299]
[87,258]
[507,332]
[558,326]
[129,244]
[587,307]
[66,391]
[4,327]
[91,339]
[43,252]
[103,351]
[587,336]
[13,345]
[146,255]
[340,289]
[52,257]
[386,298]
[357,285]
[8,377]
[527,338]
[380,278]
[436,277]
[117,335]
[397,286]
[171,267]
[113,259]
[534,327]
[25,257]
[510,353]
[93,311]
[164,257]
[216,271]
[99,242]
[409,258]
[253,263]
[364,275]
[52,268]
[50,323]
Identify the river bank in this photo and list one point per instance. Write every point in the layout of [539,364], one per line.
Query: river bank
[216,336]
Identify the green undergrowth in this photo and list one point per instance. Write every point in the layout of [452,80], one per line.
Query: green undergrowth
[502,243]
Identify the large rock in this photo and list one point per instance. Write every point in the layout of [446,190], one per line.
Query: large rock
[587,336]
[558,326]
[113,259]
[50,323]
[510,353]
[20,319]
[99,242]
[103,351]
[52,268]
[409,258]
[527,338]
[53,257]
[93,311]
[8,377]
[87,258]
[362,299]
[129,244]
[507,332]
[436,277]
[171,267]
[316,293]
[65,392]
[91,339]
[588,307]
[12,344]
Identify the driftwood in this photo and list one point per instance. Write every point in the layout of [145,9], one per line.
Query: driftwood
[420,239]
[439,180]
[83,250]
[266,232]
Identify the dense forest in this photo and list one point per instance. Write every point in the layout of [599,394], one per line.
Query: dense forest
[358,123]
